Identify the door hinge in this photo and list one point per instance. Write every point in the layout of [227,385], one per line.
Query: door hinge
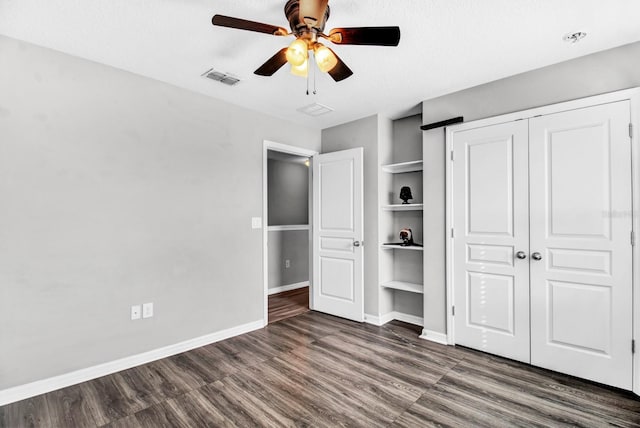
[631,130]
[633,346]
[453,311]
[452,156]
[633,238]
[453,233]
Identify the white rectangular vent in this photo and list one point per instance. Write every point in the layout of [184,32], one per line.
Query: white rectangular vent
[220,77]
[315,109]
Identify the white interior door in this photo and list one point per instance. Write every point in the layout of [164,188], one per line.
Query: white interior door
[491,232]
[337,234]
[581,222]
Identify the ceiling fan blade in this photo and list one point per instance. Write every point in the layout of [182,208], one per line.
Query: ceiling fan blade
[273,64]
[340,71]
[243,24]
[378,36]
[312,12]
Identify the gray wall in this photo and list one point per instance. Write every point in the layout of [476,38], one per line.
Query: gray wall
[294,246]
[119,190]
[594,74]
[363,133]
[288,189]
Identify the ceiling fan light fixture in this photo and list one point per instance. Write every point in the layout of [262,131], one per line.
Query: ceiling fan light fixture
[300,70]
[297,53]
[325,58]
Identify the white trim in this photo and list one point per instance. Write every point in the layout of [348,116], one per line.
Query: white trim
[378,320]
[287,227]
[393,315]
[434,336]
[284,148]
[32,389]
[635,189]
[289,287]
[590,101]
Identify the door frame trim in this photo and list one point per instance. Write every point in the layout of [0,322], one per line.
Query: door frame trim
[633,96]
[292,150]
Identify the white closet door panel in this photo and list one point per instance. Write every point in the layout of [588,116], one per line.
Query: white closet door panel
[491,285]
[581,289]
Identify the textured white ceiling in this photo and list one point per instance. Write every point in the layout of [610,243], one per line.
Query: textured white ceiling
[446,45]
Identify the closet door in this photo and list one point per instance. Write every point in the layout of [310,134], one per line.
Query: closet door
[581,290]
[491,239]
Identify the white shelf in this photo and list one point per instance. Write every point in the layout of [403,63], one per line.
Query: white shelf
[397,168]
[403,207]
[404,286]
[286,227]
[400,247]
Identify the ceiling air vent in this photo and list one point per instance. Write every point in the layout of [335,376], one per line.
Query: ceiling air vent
[220,77]
[315,109]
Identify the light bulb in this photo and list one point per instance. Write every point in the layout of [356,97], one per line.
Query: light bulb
[297,52]
[325,59]
[300,70]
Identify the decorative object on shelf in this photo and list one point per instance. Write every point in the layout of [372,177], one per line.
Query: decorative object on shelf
[406,235]
[405,195]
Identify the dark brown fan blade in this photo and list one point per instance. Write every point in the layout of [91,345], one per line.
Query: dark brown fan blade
[273,64]
[340,71]
[243,24]
[378,36]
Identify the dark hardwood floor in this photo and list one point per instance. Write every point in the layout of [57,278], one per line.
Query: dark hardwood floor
[318,370]
[288,304]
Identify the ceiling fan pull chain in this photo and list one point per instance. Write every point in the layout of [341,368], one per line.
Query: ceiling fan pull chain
[314,74]
[307,81]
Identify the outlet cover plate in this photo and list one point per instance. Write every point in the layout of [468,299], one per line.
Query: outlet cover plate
[136,312]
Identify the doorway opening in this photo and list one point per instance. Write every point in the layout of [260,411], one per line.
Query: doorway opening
[287,232]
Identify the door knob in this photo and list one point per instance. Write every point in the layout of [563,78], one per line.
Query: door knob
[521,255]
[356,243]
[536,256]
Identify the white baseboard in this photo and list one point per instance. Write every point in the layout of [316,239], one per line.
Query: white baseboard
[390,316]
[289,287]
[434,336]
[32,389]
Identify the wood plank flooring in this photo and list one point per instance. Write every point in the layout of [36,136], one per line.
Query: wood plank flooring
[288,304]
[318,370]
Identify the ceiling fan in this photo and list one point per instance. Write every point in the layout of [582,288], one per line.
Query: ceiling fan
[307,19]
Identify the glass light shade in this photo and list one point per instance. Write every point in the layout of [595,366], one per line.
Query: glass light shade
[300,70]
[297,52]
[325,59]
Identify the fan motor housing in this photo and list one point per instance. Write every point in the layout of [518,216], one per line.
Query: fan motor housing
[298,27]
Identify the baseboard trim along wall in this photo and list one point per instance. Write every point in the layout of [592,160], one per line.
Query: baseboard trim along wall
[383,319]
[32,389]
[289,287]
[434,336]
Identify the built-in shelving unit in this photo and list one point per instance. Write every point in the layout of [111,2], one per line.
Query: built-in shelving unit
[401,268]
[403,207]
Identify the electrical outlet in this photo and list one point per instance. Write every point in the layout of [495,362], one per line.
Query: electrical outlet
[135,312]
[287,264]
[147,310]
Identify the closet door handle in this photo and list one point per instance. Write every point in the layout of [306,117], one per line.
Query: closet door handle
[536,256]
[521,255]
[356,243]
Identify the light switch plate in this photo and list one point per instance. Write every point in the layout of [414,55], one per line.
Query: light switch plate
[256,222]
[147,310]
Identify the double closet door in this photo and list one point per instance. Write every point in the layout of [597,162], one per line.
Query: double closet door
[542,247]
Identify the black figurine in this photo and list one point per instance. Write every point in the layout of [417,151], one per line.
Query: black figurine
[407,237]
[405,194]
